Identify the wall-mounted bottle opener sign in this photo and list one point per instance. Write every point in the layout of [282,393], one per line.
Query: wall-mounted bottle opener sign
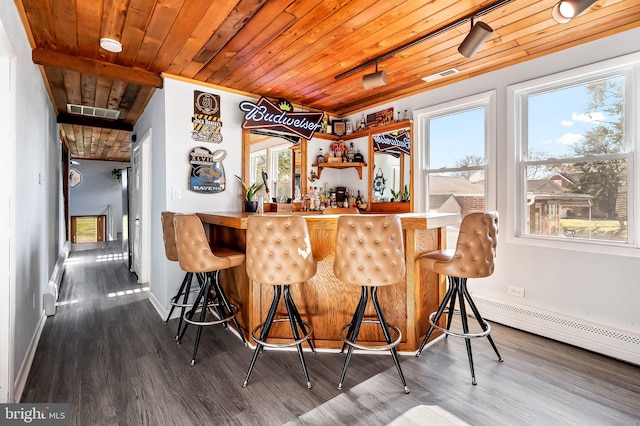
[207,172]
[267,115]
[206,117]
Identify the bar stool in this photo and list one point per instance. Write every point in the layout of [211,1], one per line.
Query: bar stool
[206,261]
[169,237]
[369,253]
[279,254]
[473,257]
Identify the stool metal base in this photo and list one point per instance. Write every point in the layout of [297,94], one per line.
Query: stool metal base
[207,300]
[300,330]
[458,288]
[351,336]
[184,291]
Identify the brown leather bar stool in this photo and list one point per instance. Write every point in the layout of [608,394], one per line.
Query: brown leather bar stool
[341,210]
[198,257]
[473,257]
[279,254]
[169,237]
[370,253]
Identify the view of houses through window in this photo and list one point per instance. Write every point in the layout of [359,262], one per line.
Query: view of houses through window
[575,161]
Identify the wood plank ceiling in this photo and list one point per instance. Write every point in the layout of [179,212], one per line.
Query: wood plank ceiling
[282,49]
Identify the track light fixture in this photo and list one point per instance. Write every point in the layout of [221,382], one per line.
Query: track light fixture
[565,10]
[381,76]
[479,33]
[377,79]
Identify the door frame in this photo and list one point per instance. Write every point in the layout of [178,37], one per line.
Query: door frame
[7,217]
[141,167]
[100,226]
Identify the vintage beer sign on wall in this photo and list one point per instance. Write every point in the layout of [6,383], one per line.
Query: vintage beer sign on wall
[394,143]
[267,115]
[206,117]
[207,172]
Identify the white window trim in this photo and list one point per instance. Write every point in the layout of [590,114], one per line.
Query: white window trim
[628,65]
[487,100]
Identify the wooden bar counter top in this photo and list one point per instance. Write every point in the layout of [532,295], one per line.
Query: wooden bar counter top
[324,301]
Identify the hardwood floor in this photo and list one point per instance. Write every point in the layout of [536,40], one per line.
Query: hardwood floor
[109,355]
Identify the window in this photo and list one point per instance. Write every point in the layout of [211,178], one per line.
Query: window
[281,172]
[275,161]
[455,137]
[575,155]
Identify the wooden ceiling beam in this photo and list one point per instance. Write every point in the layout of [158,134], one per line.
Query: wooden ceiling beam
[81,120]
[91,66]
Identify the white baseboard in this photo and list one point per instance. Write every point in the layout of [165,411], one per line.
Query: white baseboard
[620,344]
[162,312]
[23,374]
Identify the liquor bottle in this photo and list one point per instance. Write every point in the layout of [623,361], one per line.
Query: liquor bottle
[351,152]
[352,200]
[358,200]
[363,123]
[320,157]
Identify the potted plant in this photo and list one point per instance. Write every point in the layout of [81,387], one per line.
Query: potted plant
[250,191]
[404,195]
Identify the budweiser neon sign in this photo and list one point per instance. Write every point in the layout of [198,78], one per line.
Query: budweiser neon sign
[266,115]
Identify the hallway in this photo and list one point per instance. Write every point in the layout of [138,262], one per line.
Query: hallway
[109,354]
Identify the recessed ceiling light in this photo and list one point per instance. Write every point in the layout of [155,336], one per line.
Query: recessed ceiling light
[111,45]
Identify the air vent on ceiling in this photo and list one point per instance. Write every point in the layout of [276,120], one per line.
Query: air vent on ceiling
[88,111]
[441,74]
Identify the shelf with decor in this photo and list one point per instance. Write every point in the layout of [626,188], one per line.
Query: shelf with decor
[357,166]
[375,128]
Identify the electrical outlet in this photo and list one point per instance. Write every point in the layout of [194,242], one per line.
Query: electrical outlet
[176,194]
[515,291]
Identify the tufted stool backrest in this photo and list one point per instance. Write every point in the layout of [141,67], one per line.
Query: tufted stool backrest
[169,235]
[369,250]
[476,248]
[279,250]
[194,253]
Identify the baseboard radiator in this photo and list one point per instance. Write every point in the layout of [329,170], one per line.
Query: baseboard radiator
[620,344]
[50,295]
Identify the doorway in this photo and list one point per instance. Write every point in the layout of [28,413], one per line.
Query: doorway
[87,229]
[140,208]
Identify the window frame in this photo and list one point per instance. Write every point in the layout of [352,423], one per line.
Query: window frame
[485,100]
[627,66]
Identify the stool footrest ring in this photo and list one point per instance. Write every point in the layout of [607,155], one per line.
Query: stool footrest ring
[303,339]
[371,347]
[485,333]
[174,301]
[234,312]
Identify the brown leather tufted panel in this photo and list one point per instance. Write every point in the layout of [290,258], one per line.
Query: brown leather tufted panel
[341,210]
[194,253]
[475,251]
[169,235]
[279,250]
[369,250]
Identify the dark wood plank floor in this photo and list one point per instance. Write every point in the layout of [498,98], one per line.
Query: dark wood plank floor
[111,357]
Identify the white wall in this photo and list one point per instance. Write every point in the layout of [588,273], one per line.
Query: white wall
[598,287]
[35,209]
[169,115]
[97,190]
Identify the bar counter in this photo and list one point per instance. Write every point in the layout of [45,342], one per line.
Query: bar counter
[326,302]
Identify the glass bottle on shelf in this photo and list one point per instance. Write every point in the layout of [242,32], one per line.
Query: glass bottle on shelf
[320,157]
[351,152]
